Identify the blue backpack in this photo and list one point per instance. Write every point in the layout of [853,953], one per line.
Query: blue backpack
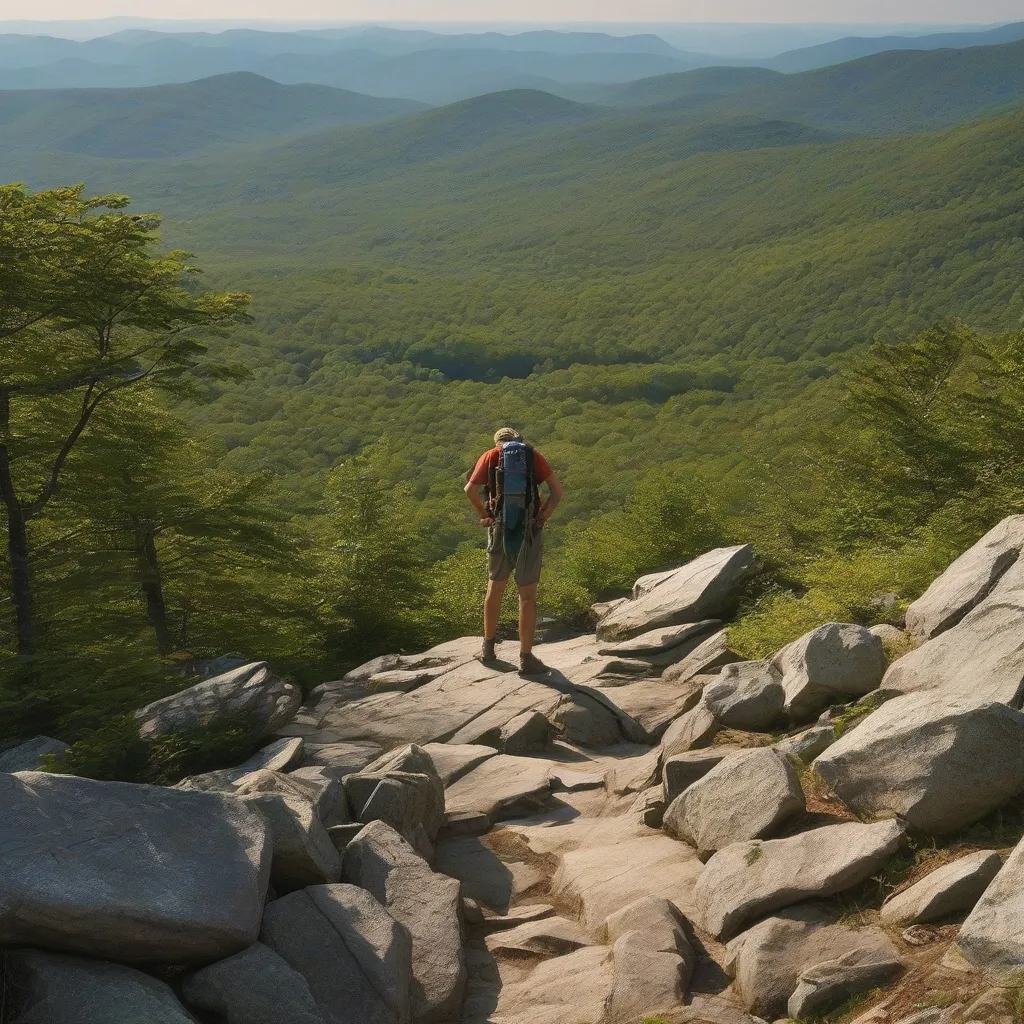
[514,495]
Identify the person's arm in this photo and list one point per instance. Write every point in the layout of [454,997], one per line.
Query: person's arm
[475,494]
[555,492]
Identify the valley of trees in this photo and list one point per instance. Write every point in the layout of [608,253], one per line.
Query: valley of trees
[718,324]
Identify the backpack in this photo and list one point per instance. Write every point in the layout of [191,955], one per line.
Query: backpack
[515,496]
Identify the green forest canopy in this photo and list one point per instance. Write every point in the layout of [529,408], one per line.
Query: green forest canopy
[708,328]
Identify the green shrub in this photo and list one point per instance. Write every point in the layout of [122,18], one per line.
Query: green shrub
[115,753]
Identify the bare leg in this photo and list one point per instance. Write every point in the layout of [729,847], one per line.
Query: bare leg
[492,607]
[527,617]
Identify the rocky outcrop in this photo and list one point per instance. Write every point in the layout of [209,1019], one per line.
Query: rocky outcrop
[139,874]
[74,990]
[691,731]
[602,878]
[766,961]
[992,937]
[680,771]
[463,804]
[746,796]
[968,581]
[652,958]
[748,880]
[250,696]
[705,588]
[746,695]
[251,987]
[980,659]
[707,658]
[303,851]
[953,888]
[30,755]
[829,984]
[937,763]
[502,787]
[528,732]
[355,958]
[278,756]
[829,665]
[428,905]
[809,743]
[313,785]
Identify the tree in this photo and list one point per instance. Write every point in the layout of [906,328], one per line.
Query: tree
[88,313]
[373,578]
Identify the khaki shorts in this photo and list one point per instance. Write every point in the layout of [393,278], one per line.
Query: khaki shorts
[499,567]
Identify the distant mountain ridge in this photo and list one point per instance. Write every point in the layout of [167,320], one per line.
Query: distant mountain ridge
[854,47]
[430,67]
[888,92]
[170,120]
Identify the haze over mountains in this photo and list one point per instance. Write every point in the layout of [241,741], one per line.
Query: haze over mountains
[413,64]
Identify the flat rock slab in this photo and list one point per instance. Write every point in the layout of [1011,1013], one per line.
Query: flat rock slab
[545,997]
[143,874]
[548,936]
[979,659]
[939,764]
[71,990]
[485,877]
[519,915]
[653,704]
[748,880]
[992,937]
[502,786]
[276,757]
[656,641]
[950,889]
[342,758]
[461,706]
[600,880]
[453,760]
[705,588]
[968,581]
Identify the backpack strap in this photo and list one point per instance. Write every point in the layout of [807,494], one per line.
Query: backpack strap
[531,484]
[497,475]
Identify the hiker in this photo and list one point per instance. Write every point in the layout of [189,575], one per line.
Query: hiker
[508,479]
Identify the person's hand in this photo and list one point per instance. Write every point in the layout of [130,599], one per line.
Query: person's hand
[487,521]
[542,518]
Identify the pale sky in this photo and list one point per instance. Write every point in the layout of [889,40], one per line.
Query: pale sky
[923,11]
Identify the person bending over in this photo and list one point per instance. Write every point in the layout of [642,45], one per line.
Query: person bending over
[504,490]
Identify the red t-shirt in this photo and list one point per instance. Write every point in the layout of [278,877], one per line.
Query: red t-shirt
[481,471]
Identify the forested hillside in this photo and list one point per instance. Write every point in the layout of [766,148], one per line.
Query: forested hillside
[673,296]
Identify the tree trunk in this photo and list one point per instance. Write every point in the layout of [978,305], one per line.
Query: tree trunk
[151,583]
[17,542]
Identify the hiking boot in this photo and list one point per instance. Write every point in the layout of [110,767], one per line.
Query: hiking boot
[531,665]
[487,653]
